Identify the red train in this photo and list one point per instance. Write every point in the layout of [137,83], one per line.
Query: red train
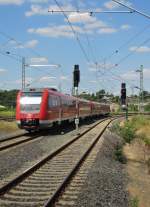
[41,108]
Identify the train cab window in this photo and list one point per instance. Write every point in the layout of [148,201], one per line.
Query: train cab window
[30,103]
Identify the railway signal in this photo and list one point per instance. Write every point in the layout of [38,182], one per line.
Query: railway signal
[123,95]
[76,80]
[123,99]
[76,76]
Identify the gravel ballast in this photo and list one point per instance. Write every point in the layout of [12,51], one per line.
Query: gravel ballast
[14,161]
[105,185]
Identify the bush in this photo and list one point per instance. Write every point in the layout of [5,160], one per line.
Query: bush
[119,155]
[128,132]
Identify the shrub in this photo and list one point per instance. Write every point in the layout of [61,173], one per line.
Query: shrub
[128,132]
[119,155]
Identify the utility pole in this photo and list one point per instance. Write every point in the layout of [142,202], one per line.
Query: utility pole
[141,98]
[23,73]
[141,87]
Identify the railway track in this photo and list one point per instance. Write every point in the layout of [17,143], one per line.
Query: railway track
[42,184]
[17,140]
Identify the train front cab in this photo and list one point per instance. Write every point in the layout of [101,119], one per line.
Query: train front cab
[28,109]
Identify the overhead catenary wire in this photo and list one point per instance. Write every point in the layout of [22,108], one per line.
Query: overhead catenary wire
[74,32]
[132,52]
[70,22]
[18,43]
[90,12]
[132,9]
[124,58]
[128,41]
[10,56]
[87,37]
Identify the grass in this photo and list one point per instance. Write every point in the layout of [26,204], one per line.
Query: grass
[134,202]
[8,126]
[7,113]
[127,131]
[138,126]
[119,155]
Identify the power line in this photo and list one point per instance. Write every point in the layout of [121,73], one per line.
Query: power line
[10,56]
[90,12]
[132,9]
[74,32]
[129,54]
[128,41]
[87,37]
[18,43]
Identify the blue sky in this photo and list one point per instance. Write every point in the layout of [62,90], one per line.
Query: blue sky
[115,45]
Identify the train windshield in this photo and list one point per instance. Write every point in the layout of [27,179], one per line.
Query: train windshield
[30,102]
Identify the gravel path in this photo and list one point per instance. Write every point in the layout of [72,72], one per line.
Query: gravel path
[106,182]
[14,161]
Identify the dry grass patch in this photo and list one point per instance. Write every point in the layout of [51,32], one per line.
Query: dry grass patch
[8,126]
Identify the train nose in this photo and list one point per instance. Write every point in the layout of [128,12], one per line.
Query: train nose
[29,116]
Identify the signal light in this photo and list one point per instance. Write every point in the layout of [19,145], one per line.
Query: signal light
[76,76]
[123,94]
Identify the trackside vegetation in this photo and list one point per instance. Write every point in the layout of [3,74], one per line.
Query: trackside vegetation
[135,153]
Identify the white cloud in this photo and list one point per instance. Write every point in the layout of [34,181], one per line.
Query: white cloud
[90,23]
[39,60]
[142,49]
[92,81]
[31,43]
[146,73]
[64,78]
[28,44]
[28,80]
[47,78]
[56,31]
[82,17]
[39,10]
[7,2]
[36,10]
[93,69]
[125,27]
[95,25]
[133,75]
[38,1]
[100,67]
[2,70]
[107,30]
[113,5]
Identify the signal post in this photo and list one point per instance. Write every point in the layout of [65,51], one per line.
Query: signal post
[76,80]
[124,105]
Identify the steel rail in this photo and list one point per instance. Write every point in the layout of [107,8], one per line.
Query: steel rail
[7,138]
[7,146]
[59,191]
[4,189]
